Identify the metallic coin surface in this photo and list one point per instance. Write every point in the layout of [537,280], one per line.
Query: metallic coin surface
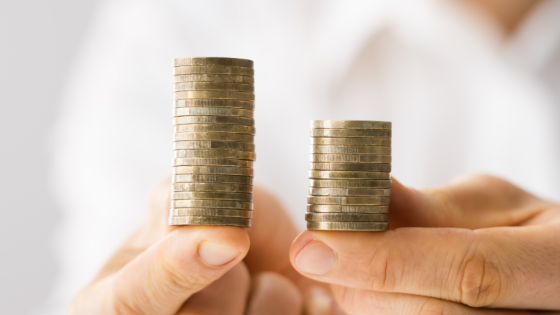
[351,141]
[211,203]
[350,124]
[347,209]
[348,175]
[207,86]
[349,192]
[213,70]
[204,61]
[235,95]
[340,149]
[348,226]
[214,78]
[209,212]
[192,220]
[212,111]
[216,170]
[350,183]
[209,144]
[346,217]
[216,153]
[380,133]
[376,200]
[250,130]
[209,162]
[211,195]
[350,158]
[215,103]
[215,187]
[355,167]
[218,136]
[232,120]
[207,178]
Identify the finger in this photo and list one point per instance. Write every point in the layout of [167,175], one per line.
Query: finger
[160,279]
[227,295]
[274,294]
[499,267]
[359,301]
[473,201]
[319,301]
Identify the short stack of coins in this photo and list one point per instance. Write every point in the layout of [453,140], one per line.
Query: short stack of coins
[214,147]
[350,182]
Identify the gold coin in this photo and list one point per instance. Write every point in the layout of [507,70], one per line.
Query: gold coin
[329,133]
[250,105]
[208,212]
[340,149]
[350,124]
[349,192]
[189,195]
[351,141]
[350,183]
[213,70]
[226,145]
[216,187]
[192,220]
[250,130]
[377,200]
[232,120]
[216,153]
[348,226]
[354,167]
[212,203]
[350,158]
[214,78]
[208,86]
[201,178]
[206,61]
[213,111]
[216,170]
[346,217]
[347,209]
[348,175]
[217,136]
[215,94]
[208,162]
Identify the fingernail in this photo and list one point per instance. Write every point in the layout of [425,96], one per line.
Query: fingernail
[316,258]
[216,254]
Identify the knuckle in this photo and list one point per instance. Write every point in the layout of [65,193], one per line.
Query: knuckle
[178,279]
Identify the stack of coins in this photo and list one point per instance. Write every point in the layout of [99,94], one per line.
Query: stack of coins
[350,184]
[213,142]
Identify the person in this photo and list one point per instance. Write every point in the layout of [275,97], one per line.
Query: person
[464,94]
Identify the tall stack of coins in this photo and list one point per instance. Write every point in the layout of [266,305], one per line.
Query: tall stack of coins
[350,184]
[214,146]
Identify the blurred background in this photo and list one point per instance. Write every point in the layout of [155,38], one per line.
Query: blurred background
[470,86]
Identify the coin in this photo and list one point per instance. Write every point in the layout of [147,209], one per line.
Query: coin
[351,141]
[349,192]
[192,220]
[348,226]
[208,162]
[215,94]
[348,208]
[209,144]
[346,217]
[214,78]
[224,170]
[376,200]
[214,111]
[202,61]
[215,103]
[350,124]
[222,187]
[348,175]
[213,70]
[216,153]
[339,149]
[200,178]
[215,128]
[381,133]
[218,136]
[350,158]
[211,195]
[207,86]
[356,167]
[209,212]
[210,203]
[232,120]
[351,183]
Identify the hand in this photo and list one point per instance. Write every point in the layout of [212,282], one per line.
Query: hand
[476,246]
